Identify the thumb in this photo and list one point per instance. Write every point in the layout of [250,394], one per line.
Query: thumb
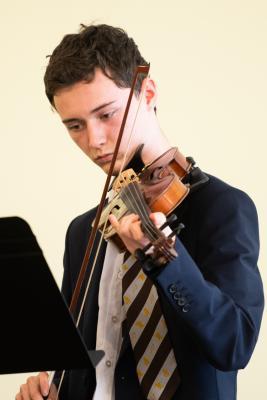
[158,218]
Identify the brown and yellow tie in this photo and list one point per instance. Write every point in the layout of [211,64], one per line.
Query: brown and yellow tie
[155,361]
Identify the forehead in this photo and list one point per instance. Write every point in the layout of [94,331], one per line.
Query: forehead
[86,96]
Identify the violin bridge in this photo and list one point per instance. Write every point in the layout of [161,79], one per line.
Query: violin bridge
[126,177]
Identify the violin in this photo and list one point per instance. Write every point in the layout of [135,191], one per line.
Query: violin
[158,187]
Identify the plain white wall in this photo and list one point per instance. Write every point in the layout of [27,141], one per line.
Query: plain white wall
[209,59]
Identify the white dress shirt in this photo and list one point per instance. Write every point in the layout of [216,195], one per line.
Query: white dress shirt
[110,317]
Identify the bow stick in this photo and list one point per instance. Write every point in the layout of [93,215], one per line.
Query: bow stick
[89,247]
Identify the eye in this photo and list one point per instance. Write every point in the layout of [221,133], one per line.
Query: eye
[75,127]
[107,115]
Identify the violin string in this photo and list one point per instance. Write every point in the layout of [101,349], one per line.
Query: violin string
[137,203]
[133,204]
[155,233]
[163,244]
[133,198]
[147,223]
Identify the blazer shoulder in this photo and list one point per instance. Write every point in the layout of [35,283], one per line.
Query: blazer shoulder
[81,224]
[218,191]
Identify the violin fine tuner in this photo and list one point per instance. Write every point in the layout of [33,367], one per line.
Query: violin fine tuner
[154,262]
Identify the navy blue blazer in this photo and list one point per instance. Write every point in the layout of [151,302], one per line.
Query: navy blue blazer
[211,296]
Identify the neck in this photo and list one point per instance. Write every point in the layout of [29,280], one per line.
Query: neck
[157,145]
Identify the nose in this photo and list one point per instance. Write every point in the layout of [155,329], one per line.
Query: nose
[96,135]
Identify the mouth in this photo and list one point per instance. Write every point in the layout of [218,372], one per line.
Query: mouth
[105,158]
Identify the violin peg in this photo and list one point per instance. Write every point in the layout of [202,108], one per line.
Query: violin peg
[171,218]
[179,228]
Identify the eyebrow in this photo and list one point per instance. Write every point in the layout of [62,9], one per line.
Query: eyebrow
[68,120]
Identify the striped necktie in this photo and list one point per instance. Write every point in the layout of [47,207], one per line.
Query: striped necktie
[155,361]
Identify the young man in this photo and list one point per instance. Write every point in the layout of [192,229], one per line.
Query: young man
[209,299]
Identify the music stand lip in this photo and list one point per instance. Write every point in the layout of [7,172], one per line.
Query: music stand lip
[37,331]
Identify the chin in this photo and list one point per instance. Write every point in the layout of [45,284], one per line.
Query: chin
[106,168]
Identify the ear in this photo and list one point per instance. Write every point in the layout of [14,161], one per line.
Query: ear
[149,90]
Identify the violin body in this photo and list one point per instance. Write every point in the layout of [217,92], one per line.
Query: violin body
[173,195]
[162,181]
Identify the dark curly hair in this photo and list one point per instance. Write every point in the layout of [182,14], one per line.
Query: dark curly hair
[95,46]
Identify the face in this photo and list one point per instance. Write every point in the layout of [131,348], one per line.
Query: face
[92,113]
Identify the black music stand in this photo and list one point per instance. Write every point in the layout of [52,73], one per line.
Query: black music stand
[37,331]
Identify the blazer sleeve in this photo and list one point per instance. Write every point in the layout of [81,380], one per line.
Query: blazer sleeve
[218,295]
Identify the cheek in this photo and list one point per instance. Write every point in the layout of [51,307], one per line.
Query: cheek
[76,139]
[127,135]
[81,141]
[113,128]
